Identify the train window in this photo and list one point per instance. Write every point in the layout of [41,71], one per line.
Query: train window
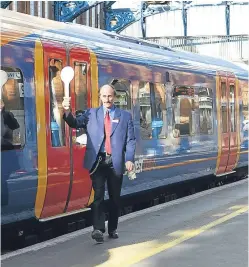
[56,97]
[123,98]
[152,110]
[158,110]
[205,99]
[145,110]
[81,99]
[232,107]
[12,110]
[223,108]
[183,106]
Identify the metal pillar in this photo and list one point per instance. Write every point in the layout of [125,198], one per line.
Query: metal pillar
[184,18]
[227,17]
[143,18]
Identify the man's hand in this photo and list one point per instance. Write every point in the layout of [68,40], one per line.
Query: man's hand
[129,165]
[66,103]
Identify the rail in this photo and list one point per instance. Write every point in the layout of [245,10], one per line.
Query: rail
[230,47]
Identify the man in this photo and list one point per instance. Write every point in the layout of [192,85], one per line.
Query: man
[9,161]
[110,148]
[8,125]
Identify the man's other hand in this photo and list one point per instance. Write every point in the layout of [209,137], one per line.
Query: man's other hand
[129,165]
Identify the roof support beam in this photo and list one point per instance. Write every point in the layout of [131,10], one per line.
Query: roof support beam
[5,4]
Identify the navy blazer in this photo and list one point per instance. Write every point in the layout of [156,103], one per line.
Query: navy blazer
[123,141]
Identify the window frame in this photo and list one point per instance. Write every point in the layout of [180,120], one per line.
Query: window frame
[20,146]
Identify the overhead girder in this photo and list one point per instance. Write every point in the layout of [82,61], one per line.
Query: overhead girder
[5,4]
[67,11]
[120,18]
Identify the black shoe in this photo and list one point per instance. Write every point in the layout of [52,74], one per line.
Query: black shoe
[113,234]
[97,235]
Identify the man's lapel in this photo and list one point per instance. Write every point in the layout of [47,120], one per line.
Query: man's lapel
[116,119]
[100,118]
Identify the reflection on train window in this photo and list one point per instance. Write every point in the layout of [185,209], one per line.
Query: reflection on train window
[56,97]
[232,107]
[183,106]
[12,110]
[123,98]
[193,110]
[152,110]
[158,111]
[81,97]
[206,110]
[223,108]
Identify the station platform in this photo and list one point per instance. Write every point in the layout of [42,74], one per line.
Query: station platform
[202,230]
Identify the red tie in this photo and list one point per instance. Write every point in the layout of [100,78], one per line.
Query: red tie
[108,127]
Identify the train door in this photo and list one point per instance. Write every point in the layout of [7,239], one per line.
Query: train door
[80,188]
[58,151]
[228,119]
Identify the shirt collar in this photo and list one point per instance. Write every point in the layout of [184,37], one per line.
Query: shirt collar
[109,109]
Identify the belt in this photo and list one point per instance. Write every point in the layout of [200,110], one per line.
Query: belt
[104,154]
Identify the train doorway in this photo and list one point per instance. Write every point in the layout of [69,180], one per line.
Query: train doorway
[80,184]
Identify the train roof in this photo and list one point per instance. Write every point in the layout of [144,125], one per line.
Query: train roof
[115,46]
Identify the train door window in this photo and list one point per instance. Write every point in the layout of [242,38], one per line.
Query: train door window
[224,107]
[123,97]
[183,103]
[245,113]
[232,107]
[206,110]
[152,110]
[81,96]
[56,97]
[12,110]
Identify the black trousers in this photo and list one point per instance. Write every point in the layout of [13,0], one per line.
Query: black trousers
[105,172]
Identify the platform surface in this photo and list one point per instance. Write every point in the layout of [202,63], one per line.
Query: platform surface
[203,230]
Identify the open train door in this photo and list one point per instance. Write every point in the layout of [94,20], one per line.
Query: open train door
[81,95]
[227,102]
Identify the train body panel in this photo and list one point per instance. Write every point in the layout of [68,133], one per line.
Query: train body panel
[19,167]
[188,124]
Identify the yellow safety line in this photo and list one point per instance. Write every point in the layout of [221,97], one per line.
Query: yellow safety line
[152,247]
[94,80]
[178,164]
[41,129]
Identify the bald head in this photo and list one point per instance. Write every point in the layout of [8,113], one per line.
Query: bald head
[107,95]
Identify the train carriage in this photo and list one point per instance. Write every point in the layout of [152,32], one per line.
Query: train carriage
[190,113]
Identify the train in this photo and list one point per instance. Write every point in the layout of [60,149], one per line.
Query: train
[190,114]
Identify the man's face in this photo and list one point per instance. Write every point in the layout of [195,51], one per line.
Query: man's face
[107,96]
